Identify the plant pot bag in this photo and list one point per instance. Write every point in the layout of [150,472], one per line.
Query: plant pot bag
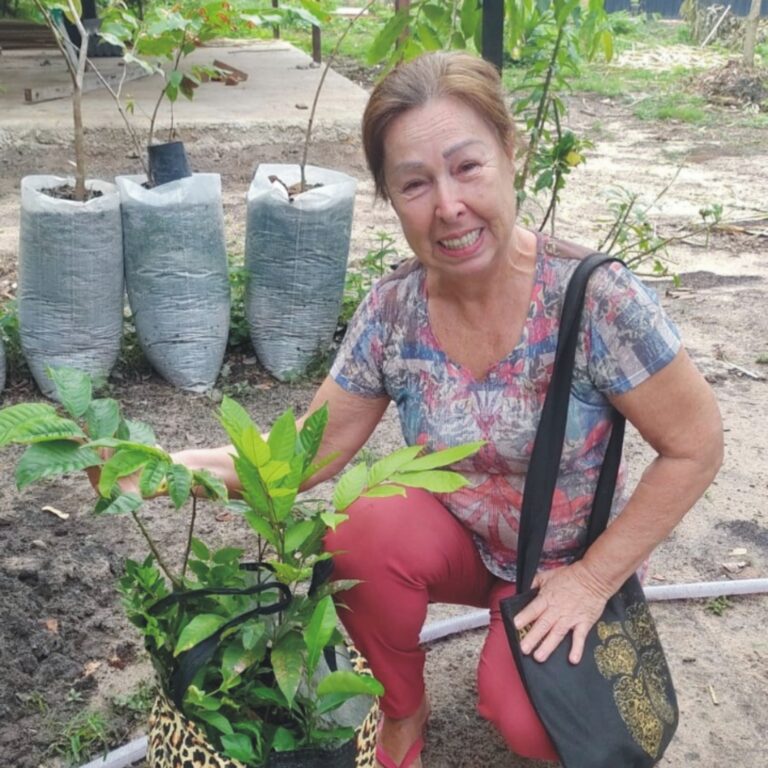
[616,708]
[176,274]
[296,255]
[70,295]
[174,739]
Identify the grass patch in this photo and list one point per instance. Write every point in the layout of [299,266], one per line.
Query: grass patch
[680,107]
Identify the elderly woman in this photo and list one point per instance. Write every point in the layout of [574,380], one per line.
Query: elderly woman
[462,339]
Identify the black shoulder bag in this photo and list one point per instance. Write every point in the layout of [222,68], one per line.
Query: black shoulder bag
[617,707]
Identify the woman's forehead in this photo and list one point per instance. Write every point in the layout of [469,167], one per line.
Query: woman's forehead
[446,124]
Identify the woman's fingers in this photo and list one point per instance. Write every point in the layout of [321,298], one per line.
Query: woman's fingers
[564,605]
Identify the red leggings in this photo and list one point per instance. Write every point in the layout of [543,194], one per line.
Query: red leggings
[409,552]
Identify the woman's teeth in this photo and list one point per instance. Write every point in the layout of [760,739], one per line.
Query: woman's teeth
[461,242]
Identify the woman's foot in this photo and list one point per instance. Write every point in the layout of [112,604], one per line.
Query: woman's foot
[402,738]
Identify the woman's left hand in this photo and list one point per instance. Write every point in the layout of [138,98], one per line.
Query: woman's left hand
[569,600]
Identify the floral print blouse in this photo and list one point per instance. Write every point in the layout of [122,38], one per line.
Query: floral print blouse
[390,350]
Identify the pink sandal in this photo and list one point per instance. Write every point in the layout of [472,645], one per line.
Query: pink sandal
[410,758]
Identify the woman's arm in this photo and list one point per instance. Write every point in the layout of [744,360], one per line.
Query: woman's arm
[676,413]
[351,420]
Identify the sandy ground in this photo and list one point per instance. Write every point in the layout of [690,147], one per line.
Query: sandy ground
[60,621]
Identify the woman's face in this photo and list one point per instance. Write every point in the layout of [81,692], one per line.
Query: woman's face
[451,184]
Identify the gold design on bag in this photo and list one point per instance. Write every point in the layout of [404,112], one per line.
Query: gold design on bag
[629,655]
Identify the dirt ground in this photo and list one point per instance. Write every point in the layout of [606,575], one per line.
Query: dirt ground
[64,644]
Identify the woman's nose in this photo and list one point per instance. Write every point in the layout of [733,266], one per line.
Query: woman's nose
[448,201]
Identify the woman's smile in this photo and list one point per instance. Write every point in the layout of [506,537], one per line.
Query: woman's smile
[461,242]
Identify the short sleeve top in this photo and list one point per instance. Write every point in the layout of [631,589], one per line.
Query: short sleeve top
[625,337]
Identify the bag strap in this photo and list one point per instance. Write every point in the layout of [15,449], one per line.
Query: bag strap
[189,662]
[544,466]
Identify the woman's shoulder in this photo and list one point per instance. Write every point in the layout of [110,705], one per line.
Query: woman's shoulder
[398,290]
[561,257]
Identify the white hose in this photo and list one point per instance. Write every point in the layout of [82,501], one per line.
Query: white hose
[122,757]
[480,618]
[131,753]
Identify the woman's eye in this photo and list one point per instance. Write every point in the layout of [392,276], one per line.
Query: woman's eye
[469,165]
[412,186]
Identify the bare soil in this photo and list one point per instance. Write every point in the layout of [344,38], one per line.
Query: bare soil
[64,644]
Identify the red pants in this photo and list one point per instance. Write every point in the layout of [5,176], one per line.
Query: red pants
[409,552]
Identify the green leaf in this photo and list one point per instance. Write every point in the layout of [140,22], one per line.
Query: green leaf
[179,484]
[214,487]
[350,486]
[253,486]
[217,720]
[261,526]
[282,437]
[152,476]
[237,658]
[243,432]
[123,504]
[284,740]
[136,432]
[102,418]
[346,681]
[333,519]
[341,733]
[227,555]
[239,747]
[384,491]
[435,481]
[444,457]
[124,462]
[311,435]
[318,631]
[288,664]
[55,458]
[297,534]
[46,429]
[385,40]
[201,627]
[428,37]
[73,388]
[288,573]
[199,550]
[387,466]
[15,415]
[470,15]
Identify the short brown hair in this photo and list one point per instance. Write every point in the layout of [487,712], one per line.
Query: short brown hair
[462,76]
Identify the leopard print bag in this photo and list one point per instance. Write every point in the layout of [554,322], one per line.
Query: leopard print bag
[177,742]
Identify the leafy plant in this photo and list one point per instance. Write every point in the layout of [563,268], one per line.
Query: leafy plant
[85,734]
[160,40]
[361,277]
[75,60]
[551,41]
[238,645]
[717,606]
[239,330]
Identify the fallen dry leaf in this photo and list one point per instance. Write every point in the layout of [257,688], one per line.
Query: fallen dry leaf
[90,667]
[52,625]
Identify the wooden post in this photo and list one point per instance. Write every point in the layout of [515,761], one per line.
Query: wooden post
[275,27]
[493,32]
[317,54]
[750,33]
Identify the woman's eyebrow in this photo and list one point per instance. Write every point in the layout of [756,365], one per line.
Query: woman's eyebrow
[452,150]
[415,165]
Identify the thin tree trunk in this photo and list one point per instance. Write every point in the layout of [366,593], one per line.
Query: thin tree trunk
[750,33]
[77,113]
